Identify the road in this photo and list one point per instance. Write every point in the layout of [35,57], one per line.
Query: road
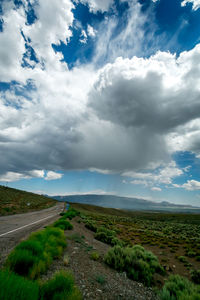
[15,228]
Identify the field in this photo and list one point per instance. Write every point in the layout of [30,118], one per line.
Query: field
[173,238]
[92,252]
[14,201]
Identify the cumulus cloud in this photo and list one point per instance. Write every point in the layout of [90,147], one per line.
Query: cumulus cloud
[98,5]
[195,3]
[91,31]
[51,175]
[129,115]
[163,175]
[190,185]
[15,176]
[51,27]
[12,45]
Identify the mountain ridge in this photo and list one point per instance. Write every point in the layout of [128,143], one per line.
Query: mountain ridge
[129,203]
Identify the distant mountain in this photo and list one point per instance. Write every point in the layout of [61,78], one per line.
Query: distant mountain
[126,203]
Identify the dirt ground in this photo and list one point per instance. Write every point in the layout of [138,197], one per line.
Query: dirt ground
[94,278]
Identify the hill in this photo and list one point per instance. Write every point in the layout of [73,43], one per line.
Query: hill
[127,203]
[14,201]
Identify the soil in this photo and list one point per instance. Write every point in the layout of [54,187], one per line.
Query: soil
[94,278]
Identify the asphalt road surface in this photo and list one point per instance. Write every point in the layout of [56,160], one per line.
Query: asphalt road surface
[15,228]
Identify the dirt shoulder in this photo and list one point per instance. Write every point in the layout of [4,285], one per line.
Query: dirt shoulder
[94,278]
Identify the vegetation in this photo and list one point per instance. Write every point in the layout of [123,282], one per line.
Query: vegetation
[105,235]
[13,286]
[139,264]
[63,224]
[174,235]
[14,201]
[91,225]
[101,279]
[94,255]
[60,287]
[179,288]
[195,276]
[70,214]
[32,257]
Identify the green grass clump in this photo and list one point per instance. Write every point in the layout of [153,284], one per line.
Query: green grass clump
[182,259]
[63,224]
[71,213]
[195,276]
[33,256]
[60,287]
[94,255]
[179,288]
[34,247]
[22,262]
[105,235]
[101,279]
[191,253]
[14,287]
[139,264]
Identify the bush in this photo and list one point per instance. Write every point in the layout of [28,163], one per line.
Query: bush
[63,224]
[60,287]
[139,264]
[33,256]
[179,288]
[16,287]
[115,241]
[191,253]
[91,225]
[21,261]
[34,247]
[71,213]
[195,276]
[182,259]
[105,235]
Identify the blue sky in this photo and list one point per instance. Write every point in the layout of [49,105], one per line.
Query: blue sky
[101,96]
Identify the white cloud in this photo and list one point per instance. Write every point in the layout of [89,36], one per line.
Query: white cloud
[195,3]
[156,189]
[12,45]
[83,38]
[91,31]
[37,173]
[191,185]
[15,176]
[142,182]
[130,115]
[101,171]
[165,175]
[51,175]
[98,5]
[51,27]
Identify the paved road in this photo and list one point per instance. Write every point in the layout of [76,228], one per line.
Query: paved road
[14,228]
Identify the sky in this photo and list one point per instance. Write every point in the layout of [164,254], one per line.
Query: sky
[101,97]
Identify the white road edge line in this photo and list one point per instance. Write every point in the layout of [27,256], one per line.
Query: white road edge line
[26,225]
